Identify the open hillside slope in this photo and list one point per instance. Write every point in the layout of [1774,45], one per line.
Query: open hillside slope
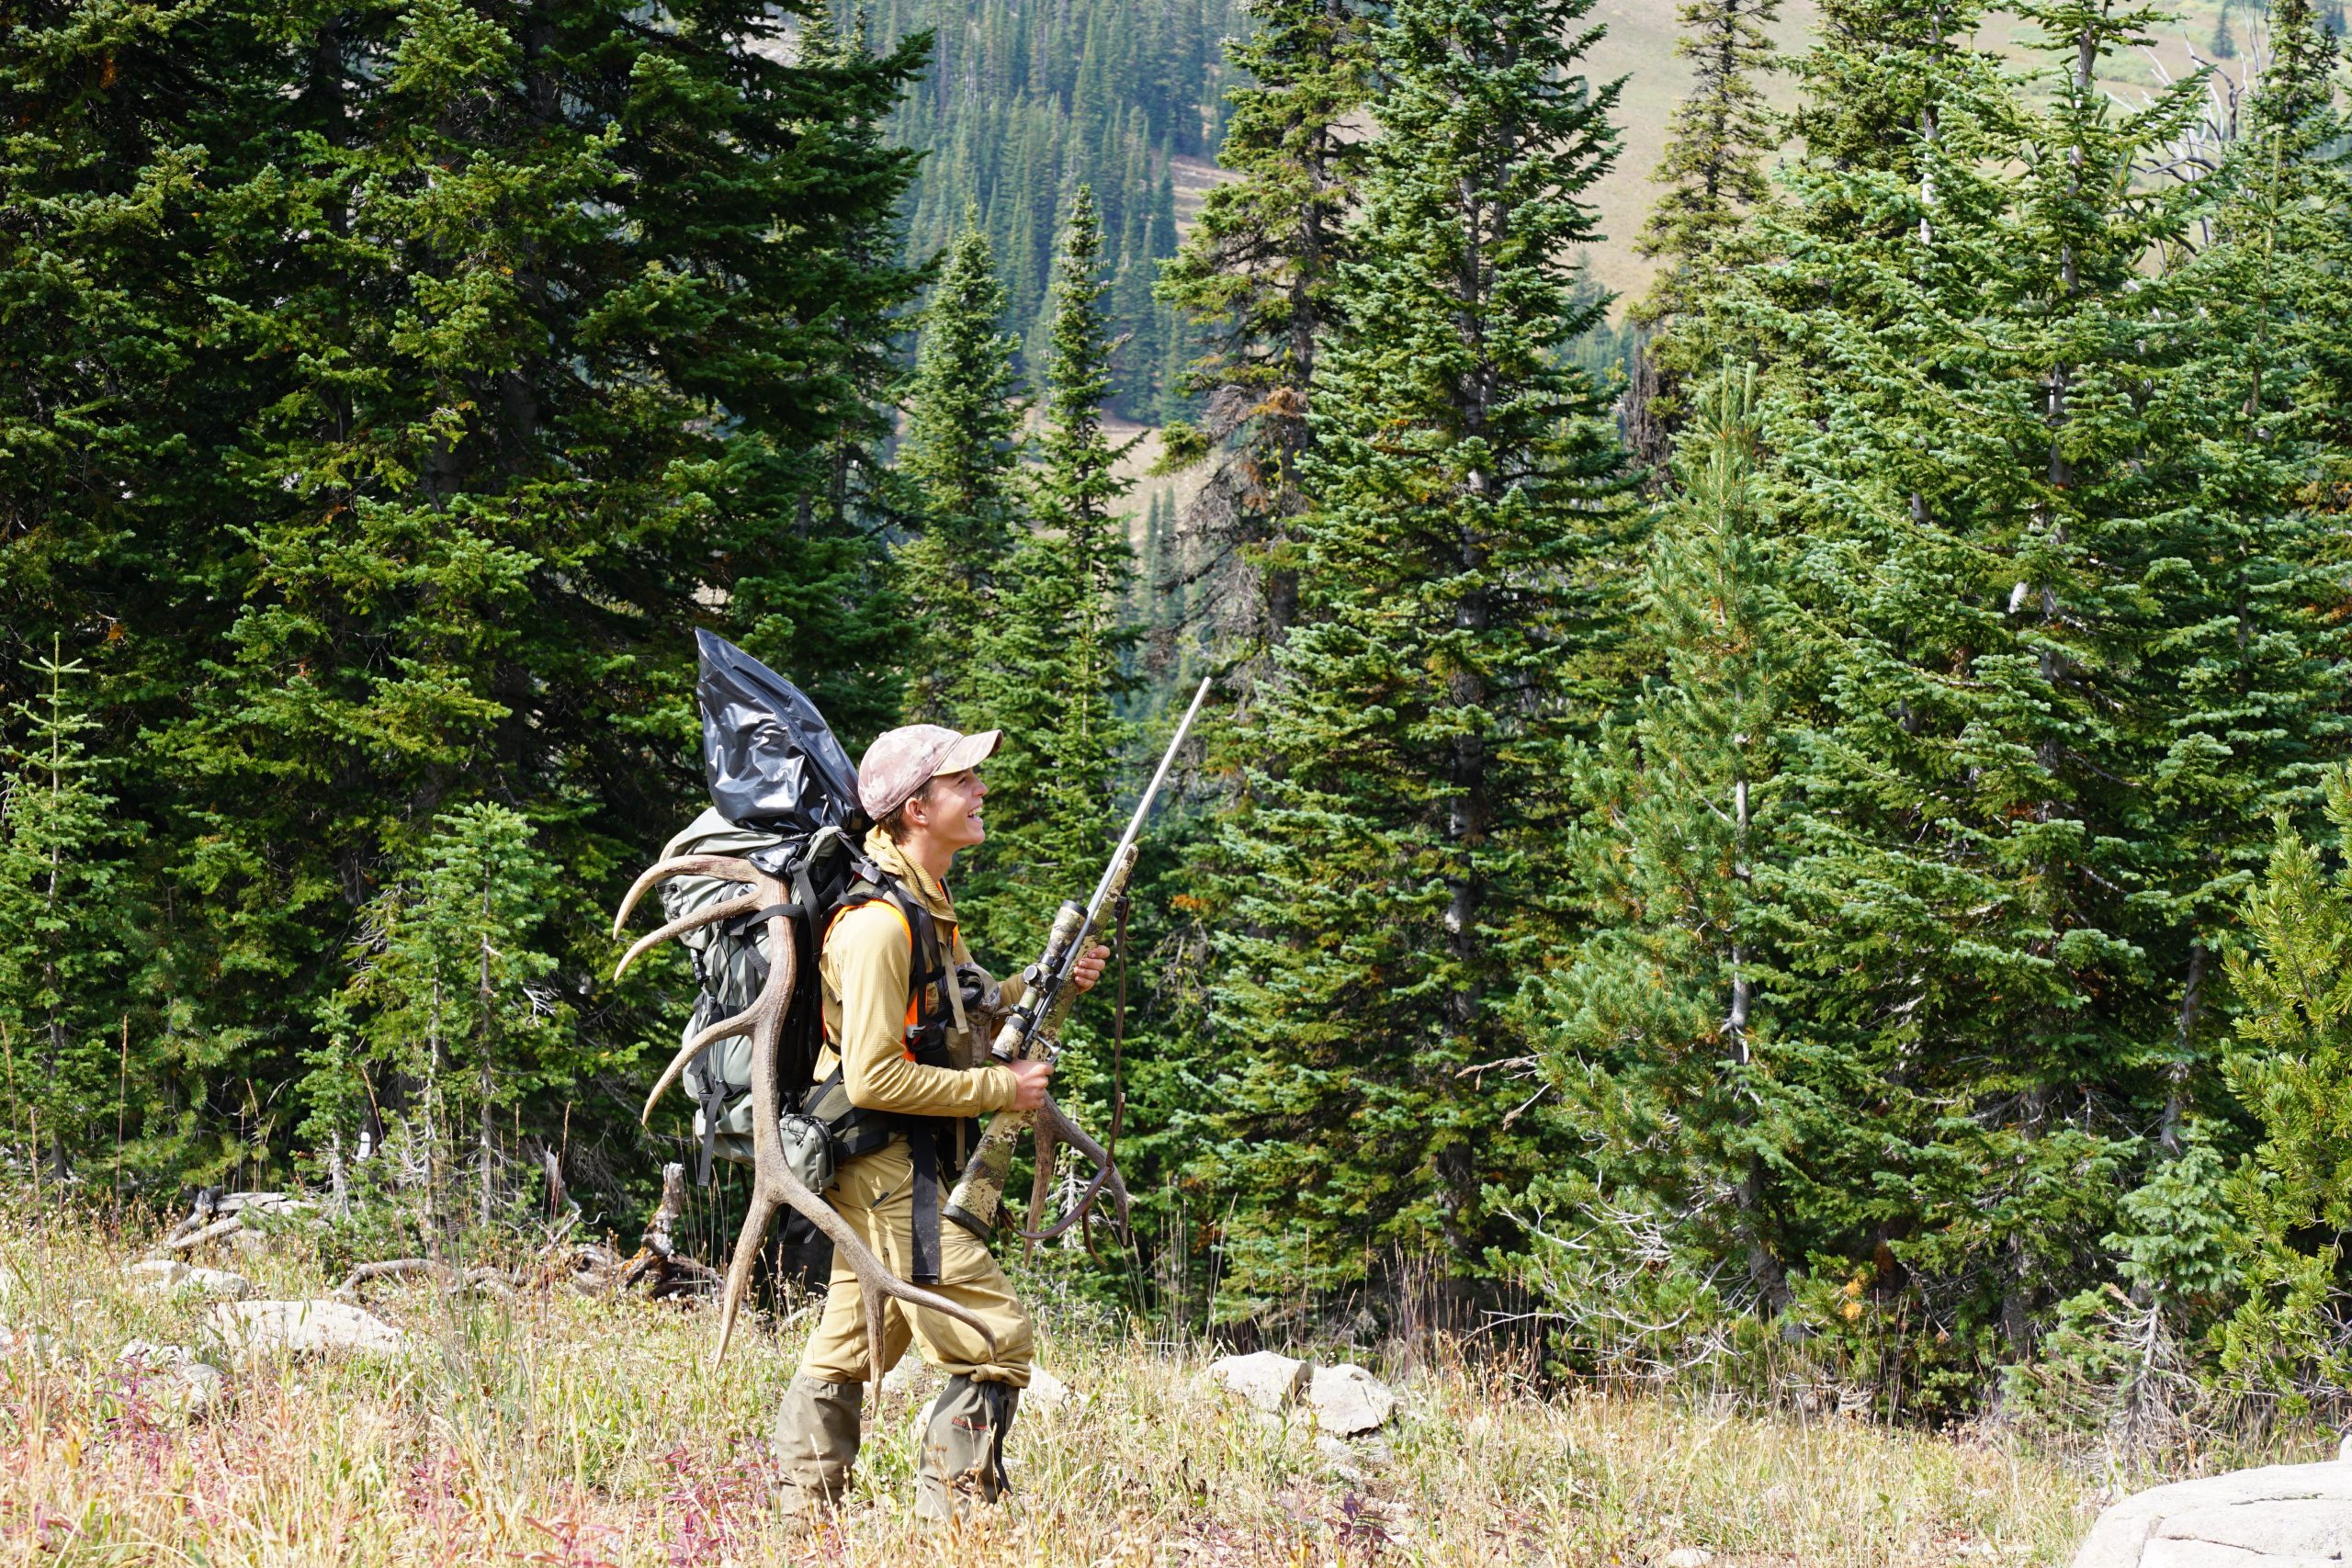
[559,1429]
[1638,46]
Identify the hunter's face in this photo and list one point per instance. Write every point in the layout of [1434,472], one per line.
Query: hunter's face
[950,809]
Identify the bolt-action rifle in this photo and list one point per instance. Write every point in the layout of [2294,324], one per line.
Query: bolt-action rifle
[1033,1031]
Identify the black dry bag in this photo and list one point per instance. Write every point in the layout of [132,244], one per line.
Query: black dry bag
[769,759]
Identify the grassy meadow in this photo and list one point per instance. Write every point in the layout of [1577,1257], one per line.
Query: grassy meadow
[556,1429]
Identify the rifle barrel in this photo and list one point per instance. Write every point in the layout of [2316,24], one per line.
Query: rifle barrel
[1143,806]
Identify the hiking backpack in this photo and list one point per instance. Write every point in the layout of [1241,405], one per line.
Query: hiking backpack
[784,796]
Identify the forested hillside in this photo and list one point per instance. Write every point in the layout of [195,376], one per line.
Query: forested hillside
[1023,102]
[1825,867]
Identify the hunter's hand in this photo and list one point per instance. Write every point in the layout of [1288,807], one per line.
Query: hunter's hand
[1029,1083]
[1089,969]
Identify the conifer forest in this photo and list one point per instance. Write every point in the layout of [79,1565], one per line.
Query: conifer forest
[1796,814]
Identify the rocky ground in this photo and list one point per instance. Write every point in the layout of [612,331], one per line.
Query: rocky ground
[247,1415]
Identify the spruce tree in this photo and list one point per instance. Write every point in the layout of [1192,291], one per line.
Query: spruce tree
[1256,278]
[1716,143]
[2296,90]
[449,1018]
[2242,659]
[961,454]
[513,344]
[1026,102]
[1398,857]
[2063,654]
[1714,172]
[1051,666]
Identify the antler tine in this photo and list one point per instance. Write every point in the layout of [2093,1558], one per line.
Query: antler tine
[684,923]
[1041,1185]
[1106,1173]
[726,866]
[739,1024]
[775,1186]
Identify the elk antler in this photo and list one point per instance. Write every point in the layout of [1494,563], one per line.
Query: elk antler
[689,866]
[774,1186]
[1054,1127]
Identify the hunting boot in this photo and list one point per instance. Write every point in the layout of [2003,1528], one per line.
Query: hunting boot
[962,1447]
[816,1443]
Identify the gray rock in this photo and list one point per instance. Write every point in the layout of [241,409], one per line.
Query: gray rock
[1270,1382]
[1687,1557]
[1347,1400]
[172,1377]
[1045,1392]
[199,1387]
[146,1355]
[2282,1516]
[2205,1554]
[1341,1458]
[313,1325]
[166,1274]
[911,1377]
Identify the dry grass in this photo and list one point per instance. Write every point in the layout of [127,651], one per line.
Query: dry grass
[567,1431]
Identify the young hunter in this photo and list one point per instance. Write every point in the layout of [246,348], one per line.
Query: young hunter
[908,1022]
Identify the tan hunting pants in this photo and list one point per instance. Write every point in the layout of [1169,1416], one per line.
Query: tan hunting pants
[876,1195]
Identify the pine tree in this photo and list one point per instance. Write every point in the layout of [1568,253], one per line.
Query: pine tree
[2290,1065]
[1052,668]
[962,454]
[1665,1056]
[66,931]
[1255,277]
[1397,858]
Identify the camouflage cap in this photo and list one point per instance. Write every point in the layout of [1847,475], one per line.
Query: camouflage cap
[901,762]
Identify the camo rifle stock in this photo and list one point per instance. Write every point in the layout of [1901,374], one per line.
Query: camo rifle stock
[977,1197]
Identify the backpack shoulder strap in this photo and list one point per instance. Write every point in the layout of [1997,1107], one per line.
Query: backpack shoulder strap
[928,978]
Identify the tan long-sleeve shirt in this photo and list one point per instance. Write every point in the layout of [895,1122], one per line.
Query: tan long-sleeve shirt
[866,966]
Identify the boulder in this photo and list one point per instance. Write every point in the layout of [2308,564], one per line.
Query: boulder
[1270,1382]
[1687,1557]
[2282,1516]
[308,1325]
[1348,1401]
[166,1274]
